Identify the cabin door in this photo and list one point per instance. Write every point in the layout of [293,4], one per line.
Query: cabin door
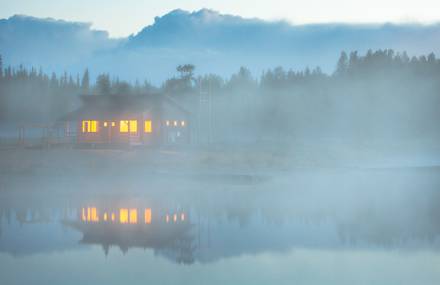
[108,131]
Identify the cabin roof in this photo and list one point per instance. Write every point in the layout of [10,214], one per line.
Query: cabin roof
[113,106]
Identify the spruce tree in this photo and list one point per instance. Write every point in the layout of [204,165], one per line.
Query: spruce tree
[85,83]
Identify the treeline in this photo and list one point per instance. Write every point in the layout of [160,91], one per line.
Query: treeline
[379,94]
[30,95]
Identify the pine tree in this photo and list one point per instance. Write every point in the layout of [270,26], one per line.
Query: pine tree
[103,84]
[342,65]
[85,83]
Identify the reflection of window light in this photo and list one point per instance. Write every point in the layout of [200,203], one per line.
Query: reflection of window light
[83,215]
[94,215]
[123,216]
[182,123]
[148,216]
[133,216]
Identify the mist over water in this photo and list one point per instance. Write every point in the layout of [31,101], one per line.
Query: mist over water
[294,175]
[190,224]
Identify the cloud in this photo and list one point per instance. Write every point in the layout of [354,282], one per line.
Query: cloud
[212,41]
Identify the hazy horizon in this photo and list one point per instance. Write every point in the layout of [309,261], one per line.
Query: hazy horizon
[92,24]
[124,19]
[212,41]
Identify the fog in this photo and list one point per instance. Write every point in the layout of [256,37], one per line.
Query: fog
[319,170]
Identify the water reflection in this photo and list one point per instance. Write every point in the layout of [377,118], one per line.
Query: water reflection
[165,232]
[363,221]
[196,233]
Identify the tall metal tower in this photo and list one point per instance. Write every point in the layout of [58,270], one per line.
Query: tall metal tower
[205,114]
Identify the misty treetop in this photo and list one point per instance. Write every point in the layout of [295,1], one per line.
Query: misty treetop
[379,93]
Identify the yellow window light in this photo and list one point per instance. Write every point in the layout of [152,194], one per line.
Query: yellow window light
[133,216]
[123,126]
[105,216]
[88,214]
[148,216]
[93,126]
[84,126]
[113,124]
[105,124]
[123,216]
[148,128]
[83,215]
[94,215]
[133,126]
[89,126]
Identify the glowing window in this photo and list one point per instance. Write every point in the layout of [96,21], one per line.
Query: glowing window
[113,124]
[182,123]
[148,127]
[105,124]
[182,217]
[133,216]
[126,126]
[123,216]
[113,217]
[175,123]
[123,126]
[105,216]
[89,126]
[133,126]
[167,218]
[175,218]
[148,216]
[167,123]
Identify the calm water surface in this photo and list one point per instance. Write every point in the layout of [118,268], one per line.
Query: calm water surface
[374,227]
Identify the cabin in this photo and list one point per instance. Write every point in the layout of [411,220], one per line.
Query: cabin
[149,119]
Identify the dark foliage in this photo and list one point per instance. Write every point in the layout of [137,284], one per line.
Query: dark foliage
[381,93]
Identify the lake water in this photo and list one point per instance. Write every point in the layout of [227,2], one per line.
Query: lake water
[305,227]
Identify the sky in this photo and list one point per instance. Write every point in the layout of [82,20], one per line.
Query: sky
[122,18]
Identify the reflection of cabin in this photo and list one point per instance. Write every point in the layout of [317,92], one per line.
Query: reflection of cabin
[166,232]
[150,119]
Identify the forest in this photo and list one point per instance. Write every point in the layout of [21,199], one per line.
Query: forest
[380,94]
